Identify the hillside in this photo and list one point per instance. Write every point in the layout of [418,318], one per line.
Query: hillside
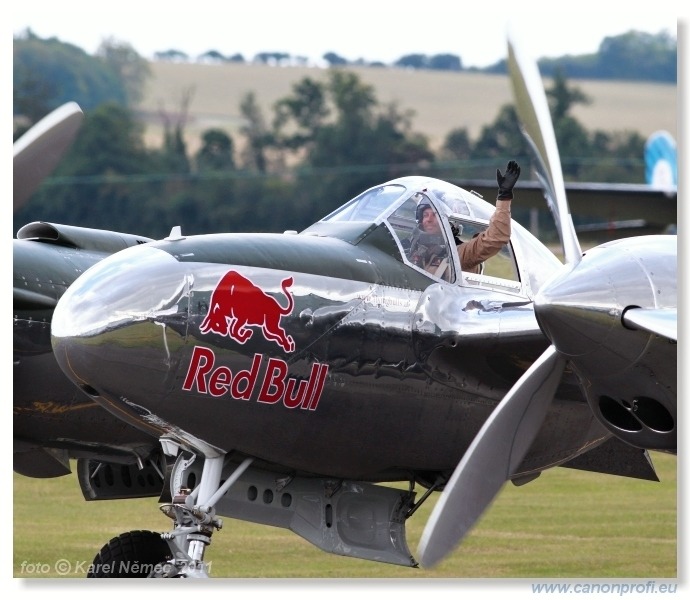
[441,101]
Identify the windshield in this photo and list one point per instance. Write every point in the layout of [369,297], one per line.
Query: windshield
[378,203]
[369,206]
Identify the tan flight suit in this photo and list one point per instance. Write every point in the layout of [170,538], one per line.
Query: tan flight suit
[489,242]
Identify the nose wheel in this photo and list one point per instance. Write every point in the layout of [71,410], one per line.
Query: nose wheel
[135,554]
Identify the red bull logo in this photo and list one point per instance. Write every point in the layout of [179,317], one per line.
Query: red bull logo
[238,304]
[271,385]
[239,307]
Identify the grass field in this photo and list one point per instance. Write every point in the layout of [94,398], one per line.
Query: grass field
[566,524]
[441,101]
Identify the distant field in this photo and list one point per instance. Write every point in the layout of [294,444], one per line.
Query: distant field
[566,524]
[441,101]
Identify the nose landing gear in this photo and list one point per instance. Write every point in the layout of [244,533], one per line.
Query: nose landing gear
[180,552]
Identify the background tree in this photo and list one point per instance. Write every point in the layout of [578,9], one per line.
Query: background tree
[354,141]
[132,70]
[258,137]
[212,56]
[636,55]
[613,157]
[298,118]
[216,152]
[500,139]
[412,61]
[215,168]
[562,98]
[457,145]
[633,56]
[445,62]
[66,71]
[171,55]
[173,155]
[272,58]
[32,98]
[334,60]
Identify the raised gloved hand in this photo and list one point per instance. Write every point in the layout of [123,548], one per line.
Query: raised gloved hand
[456,234]
[507,181]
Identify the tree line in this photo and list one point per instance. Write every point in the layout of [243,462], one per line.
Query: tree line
[633,56]
[324,143]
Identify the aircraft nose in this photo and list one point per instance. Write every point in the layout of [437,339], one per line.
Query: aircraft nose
[121,322]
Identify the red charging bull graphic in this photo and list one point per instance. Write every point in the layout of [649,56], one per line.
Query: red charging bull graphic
[237,304]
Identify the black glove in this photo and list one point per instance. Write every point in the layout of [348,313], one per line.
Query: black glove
[456,234]
[507,181]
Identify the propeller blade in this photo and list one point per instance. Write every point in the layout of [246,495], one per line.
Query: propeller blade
[41,148]
[662,321]
[533,111]
[495,454]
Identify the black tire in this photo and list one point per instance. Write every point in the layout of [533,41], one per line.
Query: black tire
[131,555]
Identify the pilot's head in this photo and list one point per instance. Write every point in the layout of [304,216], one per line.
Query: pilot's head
[427,218]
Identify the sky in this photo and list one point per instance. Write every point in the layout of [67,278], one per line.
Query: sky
[367,29]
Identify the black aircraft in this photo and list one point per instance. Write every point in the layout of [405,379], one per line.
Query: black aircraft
[286,379]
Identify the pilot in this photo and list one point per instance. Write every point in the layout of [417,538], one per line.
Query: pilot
[428,248]
[482,246]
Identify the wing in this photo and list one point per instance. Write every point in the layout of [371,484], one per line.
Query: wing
[635,208]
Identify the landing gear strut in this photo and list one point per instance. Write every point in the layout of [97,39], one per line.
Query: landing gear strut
[194,515]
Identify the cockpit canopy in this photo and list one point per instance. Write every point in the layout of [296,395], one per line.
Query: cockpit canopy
[377,203]
[401,204]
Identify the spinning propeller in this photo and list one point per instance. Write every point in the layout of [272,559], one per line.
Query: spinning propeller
[39,150]
[572,316]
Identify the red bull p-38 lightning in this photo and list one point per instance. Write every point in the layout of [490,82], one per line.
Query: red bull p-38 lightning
[285,379]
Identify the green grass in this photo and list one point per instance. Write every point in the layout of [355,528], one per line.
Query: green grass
[566,524]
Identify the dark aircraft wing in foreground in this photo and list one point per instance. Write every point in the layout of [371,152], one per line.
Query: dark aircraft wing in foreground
[621,209]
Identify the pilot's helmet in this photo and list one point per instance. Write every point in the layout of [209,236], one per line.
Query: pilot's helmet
[421,207]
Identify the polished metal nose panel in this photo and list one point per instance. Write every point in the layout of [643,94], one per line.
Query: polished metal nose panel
[135,284]
[137,298]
